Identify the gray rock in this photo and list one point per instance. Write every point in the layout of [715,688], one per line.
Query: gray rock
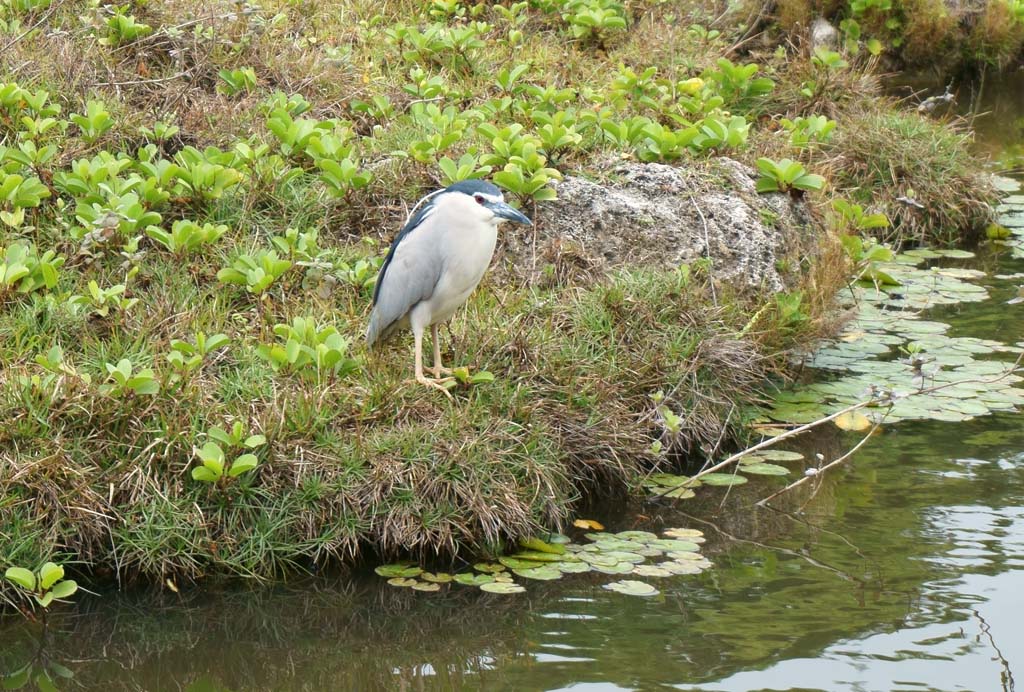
[658,215]
[823,34]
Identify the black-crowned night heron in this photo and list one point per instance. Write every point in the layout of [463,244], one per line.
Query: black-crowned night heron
[436,261]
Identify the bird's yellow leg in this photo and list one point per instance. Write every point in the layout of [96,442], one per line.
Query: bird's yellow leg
[420,377]
[438,369]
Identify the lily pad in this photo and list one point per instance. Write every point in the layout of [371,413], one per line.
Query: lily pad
[689,534]
[779,455]
[402,581]
[572,567]
[398,570]
[518,563]
[723,479]
[537,556]
[651,571]
[426,586]
[436,577]
[630,587]
[502,588]
[538,546]
[766,469]
[489,567]
[676,544]
[616,568]
[468,579]
[545,573]
[640,536]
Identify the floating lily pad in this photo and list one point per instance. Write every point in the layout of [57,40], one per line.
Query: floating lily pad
[779,455]
[538,546]
[641,536]
[426,586]
[402,581]
[720,479]
[616,568]
[436,577]
[473,579]
[651,571]
[518,563]
[623,556]
[680,567]
[689,534]
[676,544]
[632,588]
[489,567]
[766,469]
[502,588]
[572,567]
[546,573]
[398,570]
[537,556]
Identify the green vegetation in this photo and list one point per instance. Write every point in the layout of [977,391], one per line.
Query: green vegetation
[926,33]
[238,175]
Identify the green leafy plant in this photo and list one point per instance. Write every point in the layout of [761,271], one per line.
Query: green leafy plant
[255,272]
[44,585]
[23,270]
[214,467]
[94,123]
[343,176]
[314,351]
[717,133]
[18,193]
[160,132]
[594,20]
[789,307]
[865,255]
[786,175]
[122,28]
[187,357]
[737,83]
[802,131]
[850,218]
[237,81]
[466,168]
[123,380]
[100,302]
[186,237]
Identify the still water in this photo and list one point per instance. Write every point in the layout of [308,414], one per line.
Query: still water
[903,570]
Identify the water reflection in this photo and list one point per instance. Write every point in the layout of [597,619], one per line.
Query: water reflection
[902,572]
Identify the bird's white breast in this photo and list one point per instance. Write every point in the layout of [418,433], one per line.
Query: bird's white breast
[467,249]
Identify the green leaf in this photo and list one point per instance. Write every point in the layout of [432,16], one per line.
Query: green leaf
[723,479]
[502,587]
[49,574]
[246,462]
[45,600]
[64,589]
[765,469]
[22,577]
[398,570]
[201,473]
[631,587]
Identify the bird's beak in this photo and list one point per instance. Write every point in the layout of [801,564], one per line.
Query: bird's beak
[504,211]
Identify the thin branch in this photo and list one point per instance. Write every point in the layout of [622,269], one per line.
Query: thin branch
[824,468]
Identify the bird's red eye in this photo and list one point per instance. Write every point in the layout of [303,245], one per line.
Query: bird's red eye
[479,199]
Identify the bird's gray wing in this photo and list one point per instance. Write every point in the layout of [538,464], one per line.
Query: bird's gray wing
[407,277]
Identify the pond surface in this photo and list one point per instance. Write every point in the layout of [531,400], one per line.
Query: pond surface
[903,570]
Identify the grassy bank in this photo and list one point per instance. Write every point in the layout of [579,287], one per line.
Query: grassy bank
[947,37]
[182,182]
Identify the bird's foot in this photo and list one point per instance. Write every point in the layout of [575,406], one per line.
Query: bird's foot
[435,383]
[438,371]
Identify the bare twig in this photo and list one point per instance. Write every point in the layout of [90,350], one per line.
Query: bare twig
[824,468]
